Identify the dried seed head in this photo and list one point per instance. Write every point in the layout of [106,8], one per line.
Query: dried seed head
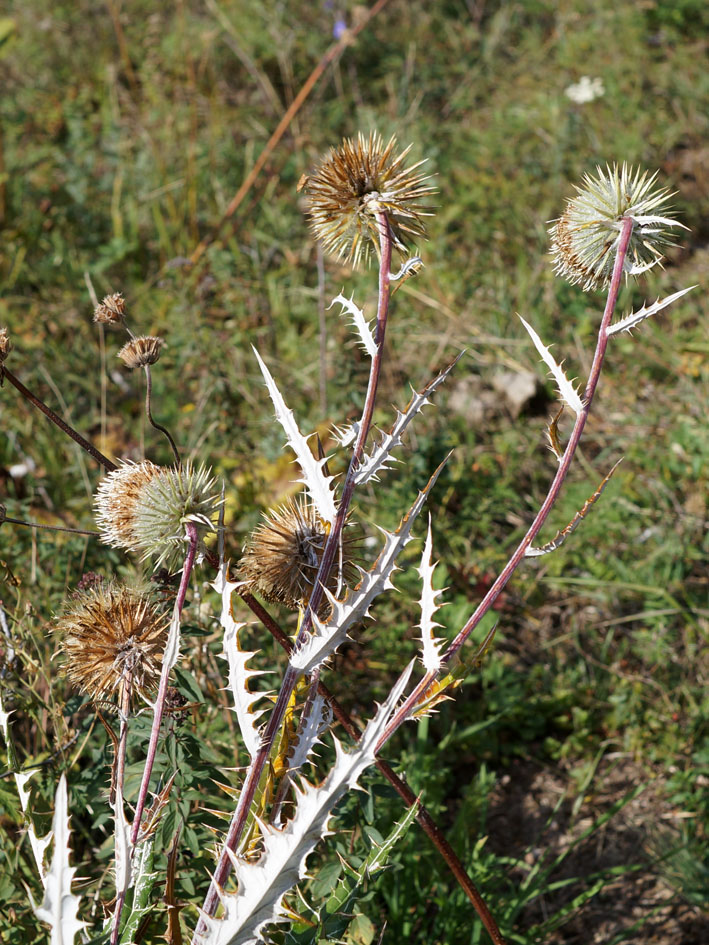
[283,554]
[5,345]
[113,635]
[111,311]
[141,351]
[585,237]
[144,508]
[355,181]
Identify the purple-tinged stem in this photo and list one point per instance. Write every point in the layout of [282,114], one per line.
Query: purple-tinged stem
[290,678]
[63,426]
[403,712]
[191,530]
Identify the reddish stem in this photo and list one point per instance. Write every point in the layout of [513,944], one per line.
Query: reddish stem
[403,712]
[290,678]
[63,426]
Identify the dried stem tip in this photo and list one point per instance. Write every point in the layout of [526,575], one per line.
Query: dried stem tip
[144,508]
[282,556]
[113,635]
[354,182]
[5,345]
[585,237]
[141,351]
[111,311]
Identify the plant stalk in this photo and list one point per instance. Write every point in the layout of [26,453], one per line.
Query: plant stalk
[63,426]
[290,678]
[552,495]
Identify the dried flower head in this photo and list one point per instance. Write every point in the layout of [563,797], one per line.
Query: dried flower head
[283,554]
[111,311]
[141,351]
[144,508]
[355,181]
[585,237]
[113,635]
[5,345]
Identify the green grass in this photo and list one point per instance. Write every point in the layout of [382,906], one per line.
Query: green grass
[120,151]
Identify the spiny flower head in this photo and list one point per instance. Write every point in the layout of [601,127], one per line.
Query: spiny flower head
[355,181]
[585,237]
[111,311]
[112,636]
[144,508]
[283,554]
[141,351]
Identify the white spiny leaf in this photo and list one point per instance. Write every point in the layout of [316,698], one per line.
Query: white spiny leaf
[630,321]
[324,639]
[312,727]
[39,848]
[662,221]
[123,847]
[239,672]
[378,460]
[316,482]
[346,435]
[567,390]
[264,883]
[431,645]
[21,779]
[359,322]
[59,907]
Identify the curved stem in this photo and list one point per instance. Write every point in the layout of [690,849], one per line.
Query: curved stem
[63,426]
[126,687]
[153,422]
[517,557]
[50,528]
[290,678]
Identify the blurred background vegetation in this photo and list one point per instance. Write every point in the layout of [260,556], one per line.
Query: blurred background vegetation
[125,130]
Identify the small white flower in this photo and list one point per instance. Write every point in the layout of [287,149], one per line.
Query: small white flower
[585,90]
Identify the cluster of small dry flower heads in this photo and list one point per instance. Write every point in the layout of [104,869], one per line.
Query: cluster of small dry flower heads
[143,507]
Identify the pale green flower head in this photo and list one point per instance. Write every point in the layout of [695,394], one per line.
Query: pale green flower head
[584,239]
[144,508]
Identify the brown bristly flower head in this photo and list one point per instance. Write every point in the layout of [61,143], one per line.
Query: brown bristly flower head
[283,554]
[144,508]
[111,311]
[584,239]
[113,635]
[141,351]
[5,345]
[354,182]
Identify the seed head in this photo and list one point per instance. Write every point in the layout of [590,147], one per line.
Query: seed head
[355,181]
[111,311]
[283,554]
[141,351]
[144,508]
[5,345]
[585,237]
[113,635]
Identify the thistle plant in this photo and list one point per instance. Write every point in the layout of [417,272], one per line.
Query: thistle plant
[364,203]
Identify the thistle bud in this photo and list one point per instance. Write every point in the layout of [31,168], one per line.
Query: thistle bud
[144,508]
[5,345]
[584,239]
[141,351]
[111,311]
[113,635]
[354,182]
